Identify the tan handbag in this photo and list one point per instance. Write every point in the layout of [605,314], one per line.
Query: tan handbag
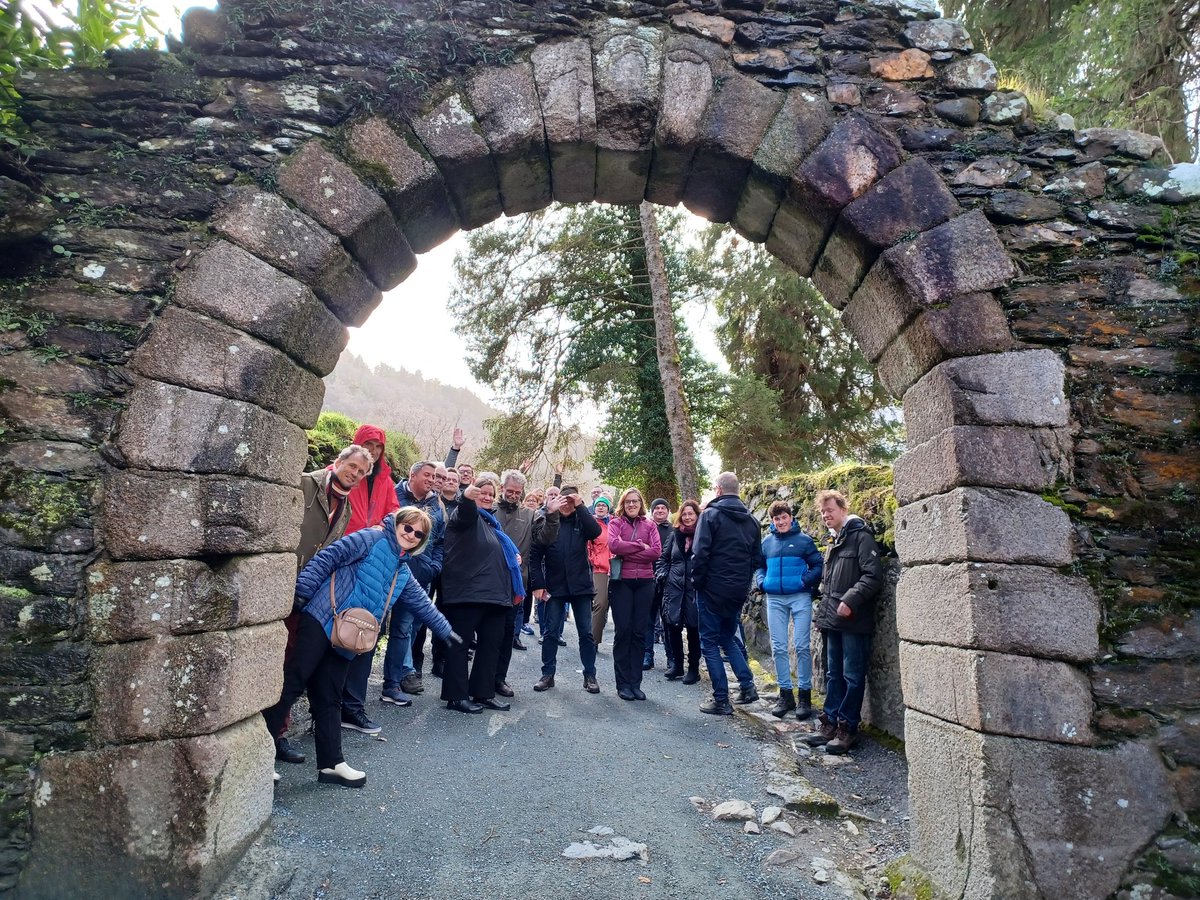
[356,629]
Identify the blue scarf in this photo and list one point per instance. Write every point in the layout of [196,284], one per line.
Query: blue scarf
[510,553]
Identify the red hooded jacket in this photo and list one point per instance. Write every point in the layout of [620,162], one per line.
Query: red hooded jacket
[375,496]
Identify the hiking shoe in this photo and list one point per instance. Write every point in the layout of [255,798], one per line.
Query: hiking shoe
[822,734]
[544,683]
[844,740]
[396,696]
[804,708]
[715,707]
[590,684]
[358,721]
[411,684]
[746,695]
[785,704]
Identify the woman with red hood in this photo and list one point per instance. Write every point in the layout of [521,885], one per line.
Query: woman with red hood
[371,500]
[374,496]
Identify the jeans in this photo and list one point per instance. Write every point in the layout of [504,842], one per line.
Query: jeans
[846,659]
[717,635]
[797,609]
[556,610]
[398,660]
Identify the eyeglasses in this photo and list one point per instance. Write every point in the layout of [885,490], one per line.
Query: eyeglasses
[408,529]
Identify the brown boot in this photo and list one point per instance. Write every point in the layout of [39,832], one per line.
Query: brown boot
[844,740]
[544,683]
[822,734]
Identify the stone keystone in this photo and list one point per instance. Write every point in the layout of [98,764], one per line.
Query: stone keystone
[998,693]
[292,242]
[962,256]
[563,75]
[628,83]
[1019,388]
[985,525]
[411,183]
[329,191]
[456,143]
[506,104]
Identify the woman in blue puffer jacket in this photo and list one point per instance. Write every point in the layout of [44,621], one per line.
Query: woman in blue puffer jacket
[792,573]
[368,570]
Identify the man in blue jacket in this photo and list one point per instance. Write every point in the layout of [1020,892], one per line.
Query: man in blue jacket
[791,571]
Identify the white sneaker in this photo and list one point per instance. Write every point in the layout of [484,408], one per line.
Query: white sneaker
[344,775]
[277,776]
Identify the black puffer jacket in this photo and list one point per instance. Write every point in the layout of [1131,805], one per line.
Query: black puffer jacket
[853,575]
[679,594]
[474,569]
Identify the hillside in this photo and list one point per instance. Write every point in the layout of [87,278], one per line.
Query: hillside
[405,401]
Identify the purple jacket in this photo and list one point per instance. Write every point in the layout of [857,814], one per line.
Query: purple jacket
[624,540]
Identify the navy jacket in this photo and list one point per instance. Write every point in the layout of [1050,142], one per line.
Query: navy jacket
[428,565]
[726,552]
[793,563]
[558,560]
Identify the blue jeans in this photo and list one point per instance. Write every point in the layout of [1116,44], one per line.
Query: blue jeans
[556,611]
[797,609]
[846,659]
[398,661]
[717,635]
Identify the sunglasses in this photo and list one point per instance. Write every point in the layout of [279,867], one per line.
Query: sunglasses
[408,529]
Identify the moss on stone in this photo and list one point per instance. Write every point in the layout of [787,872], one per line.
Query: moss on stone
[43,505]
[907,881]
[867,488]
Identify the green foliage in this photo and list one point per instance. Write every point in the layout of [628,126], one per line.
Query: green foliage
[867,488]
[61,33]
[556,311]
[1119,63]
[335,431]
[802,396]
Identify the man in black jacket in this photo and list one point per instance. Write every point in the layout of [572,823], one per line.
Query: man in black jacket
[850,585]
[559,573]
[726,552]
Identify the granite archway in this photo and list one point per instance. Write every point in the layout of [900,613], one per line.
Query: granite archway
[195,311]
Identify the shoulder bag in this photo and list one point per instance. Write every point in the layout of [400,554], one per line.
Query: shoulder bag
[356,629]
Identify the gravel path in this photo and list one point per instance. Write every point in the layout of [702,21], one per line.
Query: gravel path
[459,806]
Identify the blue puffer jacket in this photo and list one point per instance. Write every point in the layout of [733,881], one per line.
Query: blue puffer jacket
[365,563]
[793,563]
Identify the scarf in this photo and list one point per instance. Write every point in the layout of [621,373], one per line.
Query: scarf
[510,553]
[688,532]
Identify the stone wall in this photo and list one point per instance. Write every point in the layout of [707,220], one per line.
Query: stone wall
[869,491]
[186,236]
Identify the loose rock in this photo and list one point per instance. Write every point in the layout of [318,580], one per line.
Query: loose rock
[732,810]
[770,814]
[751,828]
[783,828]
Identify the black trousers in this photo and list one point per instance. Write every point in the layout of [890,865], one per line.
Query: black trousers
[629,602]
[674,635]
[315,666]
[485,623]
[506,647]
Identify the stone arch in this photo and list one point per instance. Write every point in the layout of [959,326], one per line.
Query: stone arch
[836,152]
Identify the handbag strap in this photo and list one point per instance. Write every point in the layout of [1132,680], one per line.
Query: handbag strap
[387,603]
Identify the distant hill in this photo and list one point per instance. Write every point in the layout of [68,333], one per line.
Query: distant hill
[424,408]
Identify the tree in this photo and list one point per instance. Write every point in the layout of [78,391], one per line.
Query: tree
[1122,63]
[557,312]
[803,396]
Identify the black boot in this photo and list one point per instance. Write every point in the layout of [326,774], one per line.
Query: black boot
[692,675]
[803,705]
[785,704]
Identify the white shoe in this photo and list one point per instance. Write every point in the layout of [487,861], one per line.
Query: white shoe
[344,775]
[277,776]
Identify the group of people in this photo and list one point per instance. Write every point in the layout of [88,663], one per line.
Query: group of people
[469,556]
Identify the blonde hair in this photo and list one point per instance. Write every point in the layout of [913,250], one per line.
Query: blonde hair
[836,496]
[620,510]
[418,518]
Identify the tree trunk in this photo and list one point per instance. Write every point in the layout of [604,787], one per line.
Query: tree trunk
[683,445]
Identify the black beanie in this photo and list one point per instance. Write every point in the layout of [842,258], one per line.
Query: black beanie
[659,502]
